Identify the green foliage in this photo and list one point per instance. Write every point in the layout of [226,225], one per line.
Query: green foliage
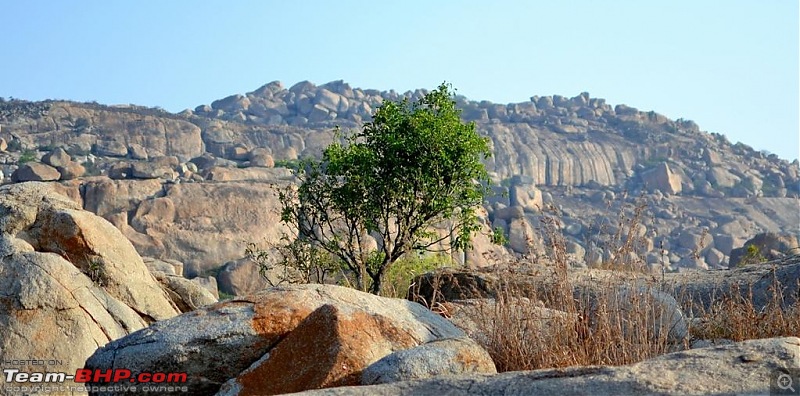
[499,236]
[291,164]
[91,168]
[399,276]
[225,296]
[27,156]
[81,124]
[95,271]
[416,165]
[752,255]
[770,188]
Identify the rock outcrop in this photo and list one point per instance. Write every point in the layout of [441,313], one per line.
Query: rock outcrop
[51,311]
[325,335]
[578,155]
[83,128]
[661,178]
[184,293]
[747,367]
[71,281]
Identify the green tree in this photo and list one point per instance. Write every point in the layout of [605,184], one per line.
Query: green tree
[416,165]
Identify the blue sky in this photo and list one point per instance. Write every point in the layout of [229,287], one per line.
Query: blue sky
[729,65]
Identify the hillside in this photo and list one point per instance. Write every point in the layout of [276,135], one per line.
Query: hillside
[703,196]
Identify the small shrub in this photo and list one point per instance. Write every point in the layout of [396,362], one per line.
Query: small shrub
[27,156]
[290,164]
[499,237]
[225,296]
[560,325]
[14,145]
[398,278]
[752,255]
[91,168]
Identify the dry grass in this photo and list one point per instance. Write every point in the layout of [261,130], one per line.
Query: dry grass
[575,327]
[733,316]
[558,321]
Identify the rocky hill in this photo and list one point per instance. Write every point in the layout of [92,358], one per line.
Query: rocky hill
[587,160]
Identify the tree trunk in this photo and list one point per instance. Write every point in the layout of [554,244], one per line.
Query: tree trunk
[376,285]
[360,280]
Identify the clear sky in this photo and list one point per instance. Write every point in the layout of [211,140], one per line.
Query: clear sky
[729,65]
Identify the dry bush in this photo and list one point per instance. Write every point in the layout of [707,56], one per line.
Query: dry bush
[733,315]
[534,319]
[624,247]
[574,327]
[559,323]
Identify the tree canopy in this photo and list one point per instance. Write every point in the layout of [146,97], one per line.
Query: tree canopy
[415,166]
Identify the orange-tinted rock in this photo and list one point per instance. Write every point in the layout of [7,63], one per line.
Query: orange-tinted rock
[330,348]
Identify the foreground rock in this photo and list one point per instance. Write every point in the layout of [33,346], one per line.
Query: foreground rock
[324,335]
[52,223]
[741,368]
[70,281]
[49,310]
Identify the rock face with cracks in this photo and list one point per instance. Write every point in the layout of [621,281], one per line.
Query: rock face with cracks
[325,335]
[69,281]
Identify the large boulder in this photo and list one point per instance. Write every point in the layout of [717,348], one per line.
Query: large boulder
[51,311]
[202,224]
[150,170]
[662,178]
[722,178]
[744,368]
[440,358]
[98,248]
[35,171]
[324,335]
[105,197]
[184,293]
[71,170]
[56,158]
[71,281]
[527,196]
[110,148]
[240,277]
[51,222]
[521,236]
[245,276]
